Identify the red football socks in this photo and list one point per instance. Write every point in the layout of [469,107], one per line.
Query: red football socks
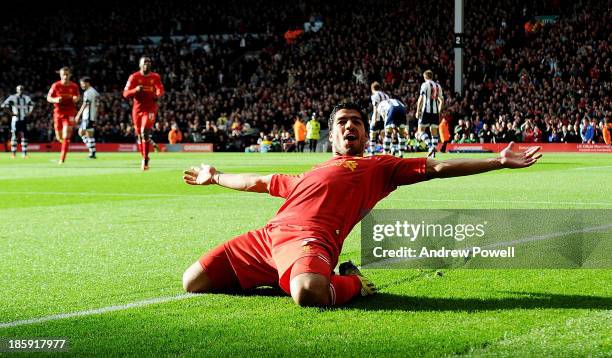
[344,288]
[65,145]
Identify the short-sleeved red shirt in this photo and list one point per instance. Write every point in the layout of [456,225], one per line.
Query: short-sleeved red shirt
[152,89]
[329,200]
[66,106]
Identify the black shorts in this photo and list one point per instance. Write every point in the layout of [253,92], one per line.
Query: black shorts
[430,119]
[18,126]
[87,124]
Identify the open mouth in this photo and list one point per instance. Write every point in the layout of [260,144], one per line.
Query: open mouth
[350,137]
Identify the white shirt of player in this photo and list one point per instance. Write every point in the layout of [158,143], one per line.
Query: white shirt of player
[20,105]
[90,97]
[384,107]
[430,91]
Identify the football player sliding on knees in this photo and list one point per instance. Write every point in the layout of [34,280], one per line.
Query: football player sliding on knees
[299,247]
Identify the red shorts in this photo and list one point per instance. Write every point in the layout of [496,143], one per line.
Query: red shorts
[61,120]
[143,120]
[257,259]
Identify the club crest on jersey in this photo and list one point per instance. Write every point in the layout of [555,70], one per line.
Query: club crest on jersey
[306,244]
[348,164]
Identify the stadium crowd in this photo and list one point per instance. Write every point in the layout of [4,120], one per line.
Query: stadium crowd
[526,79]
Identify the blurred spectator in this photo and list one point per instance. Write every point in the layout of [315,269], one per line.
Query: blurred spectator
[607,132]
[313,133]
[265,145]
[459,128]
[287,143]
[175,136]
[587,132]
[485,135]
[445,137]
[299,130]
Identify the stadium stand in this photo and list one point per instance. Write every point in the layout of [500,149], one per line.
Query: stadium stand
[534,76]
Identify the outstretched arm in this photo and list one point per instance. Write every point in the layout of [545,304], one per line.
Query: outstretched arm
[460,167]
[207,175]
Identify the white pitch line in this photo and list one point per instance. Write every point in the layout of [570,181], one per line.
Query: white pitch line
[88,194]
[589,168]
[147,302]
[145,195]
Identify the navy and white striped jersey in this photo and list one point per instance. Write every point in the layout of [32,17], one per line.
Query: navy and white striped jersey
[20,105]
[378,97]
[430,91]
[90,97]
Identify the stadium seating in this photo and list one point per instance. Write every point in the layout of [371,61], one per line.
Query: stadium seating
[549,71]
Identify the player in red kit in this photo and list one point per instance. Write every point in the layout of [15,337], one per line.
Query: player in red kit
[145,87]
[64,94]
[299,248]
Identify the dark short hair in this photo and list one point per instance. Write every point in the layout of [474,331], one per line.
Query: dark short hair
[375,86]
[352,106]
[65,68]
[85,79]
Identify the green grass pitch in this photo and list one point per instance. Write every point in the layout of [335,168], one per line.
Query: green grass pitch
[96,234]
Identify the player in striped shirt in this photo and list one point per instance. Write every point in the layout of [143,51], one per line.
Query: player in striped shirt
[21,107]
[376,123]
[429,106]
[393,113]
[88,112]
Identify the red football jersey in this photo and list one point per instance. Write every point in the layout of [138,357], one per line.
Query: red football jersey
[66,92]
[152,89]
[329,200]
